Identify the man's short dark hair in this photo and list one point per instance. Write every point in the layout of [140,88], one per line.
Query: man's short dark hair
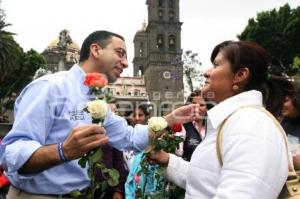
[100,37]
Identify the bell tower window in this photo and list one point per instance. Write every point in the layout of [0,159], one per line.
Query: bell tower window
[160,3]
[171,16]
[172,42]
[171,4]
[160,14]
[160,42]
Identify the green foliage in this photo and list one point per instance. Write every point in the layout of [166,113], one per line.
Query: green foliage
[10,51]
[278,32]
[19,76]
[16,67]
[296,62]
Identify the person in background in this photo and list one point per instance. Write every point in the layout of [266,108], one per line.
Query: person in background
[195,130]
[128,115]
[114,108]
[291,120]
[253,148]
[141,114]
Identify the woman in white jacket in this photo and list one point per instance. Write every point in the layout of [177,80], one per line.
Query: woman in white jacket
[253,149]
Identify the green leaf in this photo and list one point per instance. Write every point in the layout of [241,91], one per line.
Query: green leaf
[161,171]
[96,156]
[76,193]
[113,173]
[82,162]
[114,177]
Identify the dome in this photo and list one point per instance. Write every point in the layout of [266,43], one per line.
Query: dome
[53,44]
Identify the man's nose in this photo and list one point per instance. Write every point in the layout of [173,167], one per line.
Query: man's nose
[124,62]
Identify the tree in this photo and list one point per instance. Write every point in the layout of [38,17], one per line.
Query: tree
[191,70]
[10,51]
[278,32]
[19,77]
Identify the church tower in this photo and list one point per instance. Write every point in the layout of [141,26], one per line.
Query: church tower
[158,55]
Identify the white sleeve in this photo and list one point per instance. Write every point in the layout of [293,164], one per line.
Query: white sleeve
[177,170]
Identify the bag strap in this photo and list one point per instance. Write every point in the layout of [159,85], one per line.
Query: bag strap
[292,174]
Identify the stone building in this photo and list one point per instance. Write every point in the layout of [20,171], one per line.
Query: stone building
[157,55]
[58,60]
[129,92]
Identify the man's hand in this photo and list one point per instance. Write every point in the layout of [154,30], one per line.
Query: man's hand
[117,195]
[83,139]
[183,114]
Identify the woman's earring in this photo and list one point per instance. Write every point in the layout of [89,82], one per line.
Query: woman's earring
[235,87]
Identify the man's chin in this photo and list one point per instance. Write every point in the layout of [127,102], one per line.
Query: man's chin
[112,79]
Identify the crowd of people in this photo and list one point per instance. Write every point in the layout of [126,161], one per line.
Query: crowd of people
[240,88]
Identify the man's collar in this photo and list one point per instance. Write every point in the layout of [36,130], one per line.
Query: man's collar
[80,76]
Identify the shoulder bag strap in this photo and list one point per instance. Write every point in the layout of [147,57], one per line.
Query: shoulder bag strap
[292,174]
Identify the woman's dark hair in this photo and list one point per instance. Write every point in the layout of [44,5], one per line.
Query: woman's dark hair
[248,54]
[100,37]
[144,108]
[193,94]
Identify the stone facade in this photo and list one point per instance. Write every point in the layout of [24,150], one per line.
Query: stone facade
[58,60]
[157,55]
[129,92]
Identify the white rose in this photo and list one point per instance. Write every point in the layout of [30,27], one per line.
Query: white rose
[97,109]
[157,123]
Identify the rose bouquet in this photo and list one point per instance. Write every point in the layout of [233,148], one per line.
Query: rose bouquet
[97,109]
[167,140]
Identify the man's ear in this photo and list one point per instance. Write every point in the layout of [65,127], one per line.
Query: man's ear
[95,50]
[241,77]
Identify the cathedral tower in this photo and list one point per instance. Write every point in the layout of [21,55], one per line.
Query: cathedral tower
[158,55]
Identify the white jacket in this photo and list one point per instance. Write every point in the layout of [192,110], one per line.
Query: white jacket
[253,151]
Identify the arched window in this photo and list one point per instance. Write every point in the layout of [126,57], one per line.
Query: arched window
[171,16]
[141,70]
[160,42]
[141,51]
[136,92]
[172,42]
[171,3]
[160,14]
[160,3]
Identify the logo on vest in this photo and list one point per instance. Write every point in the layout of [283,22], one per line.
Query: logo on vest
[76,115]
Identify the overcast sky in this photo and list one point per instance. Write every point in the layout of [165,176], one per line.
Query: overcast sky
[205,22]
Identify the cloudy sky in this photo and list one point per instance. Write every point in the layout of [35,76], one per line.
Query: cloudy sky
[205,22]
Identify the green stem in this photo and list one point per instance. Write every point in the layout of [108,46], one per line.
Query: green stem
[145,181]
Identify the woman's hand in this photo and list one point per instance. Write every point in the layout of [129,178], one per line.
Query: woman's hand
[159,157]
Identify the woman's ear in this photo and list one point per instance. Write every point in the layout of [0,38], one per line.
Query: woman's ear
[241,77]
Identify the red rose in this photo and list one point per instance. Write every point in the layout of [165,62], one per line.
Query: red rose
[95,80]
[177,128]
